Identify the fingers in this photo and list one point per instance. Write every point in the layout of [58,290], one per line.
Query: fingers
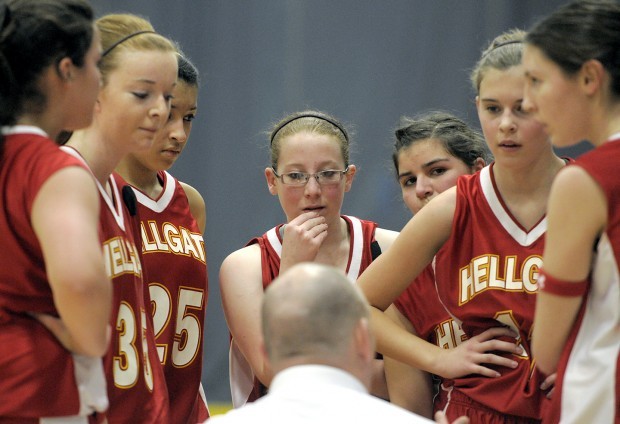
[549,383]
[499,345]
[441,418]
[307,226]
[495,332]
[485,372]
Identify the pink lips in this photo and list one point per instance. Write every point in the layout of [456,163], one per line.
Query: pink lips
[313,208]
[509,144]
[170,152]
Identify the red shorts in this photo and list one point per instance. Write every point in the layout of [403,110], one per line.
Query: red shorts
[455,404]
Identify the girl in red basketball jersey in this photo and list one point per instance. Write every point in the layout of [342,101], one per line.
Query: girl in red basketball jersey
[172,222]
[139,71]
[430,152]
[51,263]
[485,239]
[310,173]
[573,88]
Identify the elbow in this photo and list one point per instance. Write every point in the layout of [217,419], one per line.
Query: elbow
[95,343]
[546,361]
[264,375]
[546,365]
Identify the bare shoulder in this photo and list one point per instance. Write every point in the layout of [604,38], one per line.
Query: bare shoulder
[240,264]
[576,199]
[193,195]
[575,179]
[196,205]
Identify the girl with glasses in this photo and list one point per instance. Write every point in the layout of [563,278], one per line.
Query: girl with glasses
[309,172]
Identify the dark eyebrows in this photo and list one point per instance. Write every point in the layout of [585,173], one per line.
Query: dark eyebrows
[425,166]
[434,161]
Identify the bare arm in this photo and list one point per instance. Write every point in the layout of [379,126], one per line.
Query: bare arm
[577,214]
[389,275]
[196,206]
[241,285]
[409,387]
[385,238]
[65,218]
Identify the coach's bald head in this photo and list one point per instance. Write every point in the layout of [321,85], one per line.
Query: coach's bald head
[312,314]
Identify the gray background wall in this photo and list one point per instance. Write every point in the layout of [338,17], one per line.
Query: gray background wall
[367,62]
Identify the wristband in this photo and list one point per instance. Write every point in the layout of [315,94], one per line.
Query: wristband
[559,287]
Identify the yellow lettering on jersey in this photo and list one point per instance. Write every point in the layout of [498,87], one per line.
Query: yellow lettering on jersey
[162,246]
[449,334]
[172,239]
[484,273]
[120,257]
[171,233]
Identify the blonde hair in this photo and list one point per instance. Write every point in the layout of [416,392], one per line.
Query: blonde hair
[116,27]
[502,53]
[312,121]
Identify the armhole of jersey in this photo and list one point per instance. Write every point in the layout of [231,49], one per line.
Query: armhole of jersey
[274,241]
[357,247]
[375,249]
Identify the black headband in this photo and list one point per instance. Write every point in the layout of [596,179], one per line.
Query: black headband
[308,115]
[502,44]
[5,17]
[122,40]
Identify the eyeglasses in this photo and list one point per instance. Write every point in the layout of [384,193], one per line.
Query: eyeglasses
[300,179]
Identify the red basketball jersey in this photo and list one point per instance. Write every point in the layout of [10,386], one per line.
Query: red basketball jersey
[244,386]
[175,269]
[37,375]
[136,384]
[420,304]
[486,277]
[588,382]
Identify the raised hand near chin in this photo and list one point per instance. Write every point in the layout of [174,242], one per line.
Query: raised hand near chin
[302,239]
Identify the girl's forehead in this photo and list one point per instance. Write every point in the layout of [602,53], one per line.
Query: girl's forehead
[308,141]
[307,148]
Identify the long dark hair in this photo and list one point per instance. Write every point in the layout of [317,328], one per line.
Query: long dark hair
[593,28]
[35,34]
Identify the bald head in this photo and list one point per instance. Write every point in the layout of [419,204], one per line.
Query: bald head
[311,310]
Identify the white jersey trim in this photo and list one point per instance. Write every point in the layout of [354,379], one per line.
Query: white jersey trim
[274,241]
[357,246]
[164,199]
[23,129]
[117,212]
[592,361]
[241,376]
[240,371]
[516,232]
